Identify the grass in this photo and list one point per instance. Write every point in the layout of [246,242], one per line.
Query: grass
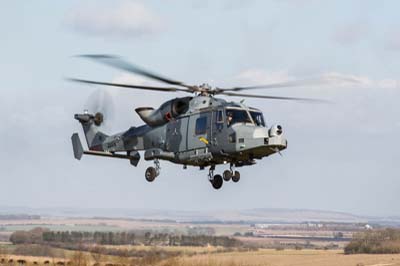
[267,257]
[288,257]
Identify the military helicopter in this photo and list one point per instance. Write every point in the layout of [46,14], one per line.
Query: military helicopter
[200,130]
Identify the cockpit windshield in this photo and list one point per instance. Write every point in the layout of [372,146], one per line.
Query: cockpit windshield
[258,118]
[234,116]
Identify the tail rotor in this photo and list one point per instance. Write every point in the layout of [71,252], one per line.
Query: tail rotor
[101,104]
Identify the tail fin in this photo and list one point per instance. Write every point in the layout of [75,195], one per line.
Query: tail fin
[77,146]
[94,137]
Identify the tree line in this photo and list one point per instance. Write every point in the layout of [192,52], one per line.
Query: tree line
[45,236]
[382,241]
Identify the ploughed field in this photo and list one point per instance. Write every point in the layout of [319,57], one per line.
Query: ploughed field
[261,257]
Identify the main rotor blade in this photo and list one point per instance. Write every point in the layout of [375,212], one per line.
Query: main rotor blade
[141,87]
[274,97]
[295,83]
[119,63]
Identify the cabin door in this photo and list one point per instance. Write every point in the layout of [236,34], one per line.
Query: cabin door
[219,138]
[199,130]
[177,134]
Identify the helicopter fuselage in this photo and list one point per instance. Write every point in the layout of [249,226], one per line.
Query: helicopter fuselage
[212,131]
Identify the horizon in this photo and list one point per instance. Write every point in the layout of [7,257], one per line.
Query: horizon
[14,210]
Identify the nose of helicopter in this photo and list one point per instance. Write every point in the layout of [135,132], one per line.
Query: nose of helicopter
[258,142]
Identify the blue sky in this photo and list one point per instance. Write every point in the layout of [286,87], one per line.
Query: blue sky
[341,157]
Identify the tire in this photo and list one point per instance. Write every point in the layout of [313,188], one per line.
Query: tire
[150,174]
[217,182]
[227,175]
[236,177]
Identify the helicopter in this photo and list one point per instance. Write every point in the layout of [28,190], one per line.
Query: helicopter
[199,130]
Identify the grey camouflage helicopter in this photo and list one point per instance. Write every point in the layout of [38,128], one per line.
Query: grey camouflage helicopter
[200,130]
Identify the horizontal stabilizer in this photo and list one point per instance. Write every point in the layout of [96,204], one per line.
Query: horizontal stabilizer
[108,154]
[133,156]
[77,146]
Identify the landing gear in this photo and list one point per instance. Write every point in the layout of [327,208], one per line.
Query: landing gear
[227,175]
[152,172]
[236,177]
[217,182]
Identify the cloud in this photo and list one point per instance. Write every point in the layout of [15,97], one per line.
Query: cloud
[261,76]
[297,3]
[350,34]
[329,79]
[393,40]
[123,19]
[360,81]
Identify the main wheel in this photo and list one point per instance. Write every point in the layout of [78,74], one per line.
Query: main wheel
[236,177]
[150,174]
[227,175]
[217,182]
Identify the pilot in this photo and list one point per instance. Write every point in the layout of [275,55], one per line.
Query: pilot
[229,118]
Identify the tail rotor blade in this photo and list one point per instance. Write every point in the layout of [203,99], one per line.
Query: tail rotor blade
[101,101]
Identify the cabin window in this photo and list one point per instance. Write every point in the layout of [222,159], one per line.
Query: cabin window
[201,126]
[258,118]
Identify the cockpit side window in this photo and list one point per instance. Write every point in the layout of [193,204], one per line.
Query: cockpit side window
[258,118]
[234,116]
[220,117]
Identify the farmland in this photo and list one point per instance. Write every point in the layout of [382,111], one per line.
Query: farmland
[84,241]
[267,257]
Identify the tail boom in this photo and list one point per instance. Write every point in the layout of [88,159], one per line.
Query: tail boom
[94,137]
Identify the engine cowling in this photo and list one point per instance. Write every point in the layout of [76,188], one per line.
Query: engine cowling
[167,111]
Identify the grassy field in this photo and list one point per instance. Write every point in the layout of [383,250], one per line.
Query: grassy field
[263,257]
[288,258]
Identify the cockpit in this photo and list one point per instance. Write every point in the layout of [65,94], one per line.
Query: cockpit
[239,115]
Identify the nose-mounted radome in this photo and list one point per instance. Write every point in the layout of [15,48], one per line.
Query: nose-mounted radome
[275,130]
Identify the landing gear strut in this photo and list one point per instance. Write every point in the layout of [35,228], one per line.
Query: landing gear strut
[229,174]
[232,174]
[152,172]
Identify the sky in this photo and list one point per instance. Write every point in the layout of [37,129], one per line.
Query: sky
[342,156]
